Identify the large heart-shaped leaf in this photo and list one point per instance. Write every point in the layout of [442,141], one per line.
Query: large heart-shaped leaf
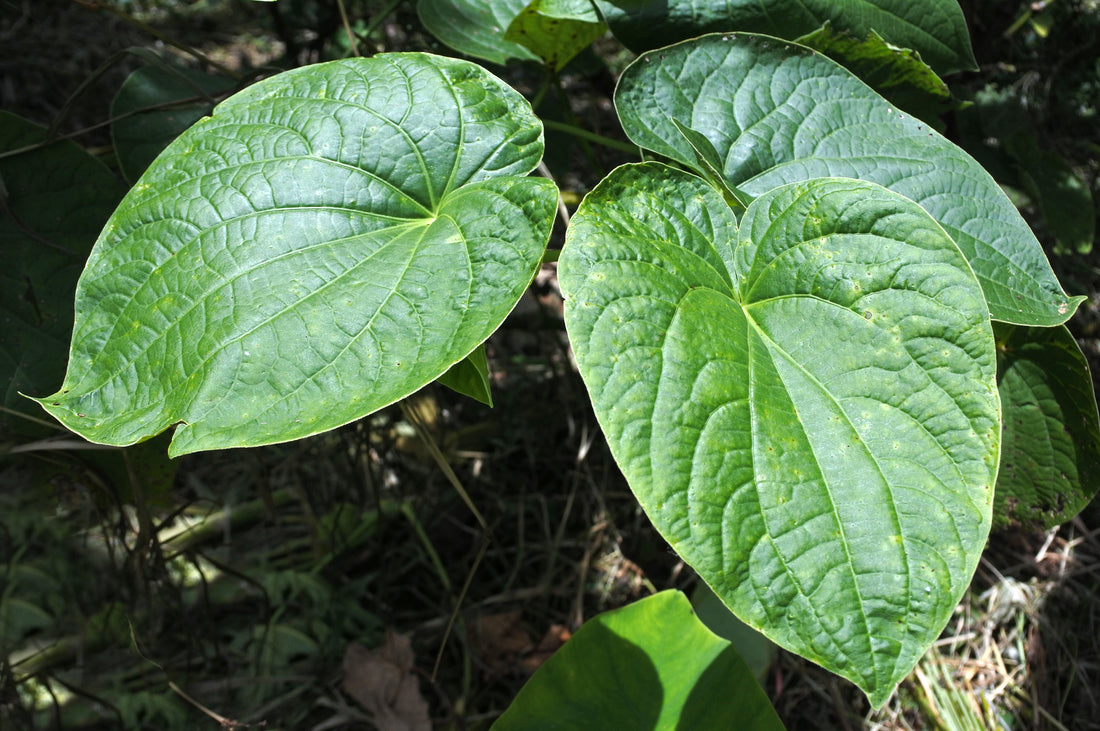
[934,28]
[53,201]
[777,112]
[329,241]
[649,665]
[1050,466]
[805,405]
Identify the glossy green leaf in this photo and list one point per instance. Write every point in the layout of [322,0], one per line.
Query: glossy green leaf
[476,27]
[649,665]
[777,113]
[470,377]
[331,240]
[154,105]
[53,202]
[1050,463]
[898,74]
[553,36]
[936,29]
[804,404]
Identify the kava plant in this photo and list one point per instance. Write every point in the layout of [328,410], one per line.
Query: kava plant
[816,333]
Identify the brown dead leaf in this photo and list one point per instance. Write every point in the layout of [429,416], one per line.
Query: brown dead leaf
[554,638]
[382,682]
[505,645]
[500,640]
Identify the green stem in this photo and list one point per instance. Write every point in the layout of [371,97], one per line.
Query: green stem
[380,16]
[216,526]
[426,543]
[347,27]
[426,438]
[536,102]
[584,134]
[571,119]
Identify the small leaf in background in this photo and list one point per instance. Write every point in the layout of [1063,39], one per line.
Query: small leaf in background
[1050,454]
[110,625]
[332,239]
[649,665]
[154,105]
[280,646]
[476,28]
[556,31]
[710,166]
[1064,199]
[755,649]
[860,478]
[53,202]
[570,9]
[470,377]
[20,618]
[148,709]
[778,113]
[384,683]
[936,29]
[898,74]
[141,473]
[996,126]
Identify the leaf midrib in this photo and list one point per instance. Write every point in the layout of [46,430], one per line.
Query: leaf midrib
[754,328]
[221,283]
[366,330]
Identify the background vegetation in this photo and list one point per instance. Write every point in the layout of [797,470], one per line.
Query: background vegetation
[264,587]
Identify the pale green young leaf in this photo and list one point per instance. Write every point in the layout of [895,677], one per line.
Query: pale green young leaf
[555,38]
[804,404]
[710,165]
